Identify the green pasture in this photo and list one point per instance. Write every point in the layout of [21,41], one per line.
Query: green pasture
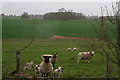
[37,28]
[18,32]
[66,59]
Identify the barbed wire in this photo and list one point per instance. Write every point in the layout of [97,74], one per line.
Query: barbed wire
[25,47]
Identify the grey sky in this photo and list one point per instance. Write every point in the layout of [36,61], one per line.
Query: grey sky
[88,8]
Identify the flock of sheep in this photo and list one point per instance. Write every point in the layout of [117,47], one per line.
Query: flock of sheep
[48,63]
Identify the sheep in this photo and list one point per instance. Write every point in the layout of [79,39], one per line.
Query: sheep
[57,72]
[53,58]
[28,65]
[37,70]
[74,49]
[85,55]
[46,65]
[69,49]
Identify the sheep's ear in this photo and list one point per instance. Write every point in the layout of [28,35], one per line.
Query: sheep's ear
[52,53]
[49,56]
[56,53]
[44,56]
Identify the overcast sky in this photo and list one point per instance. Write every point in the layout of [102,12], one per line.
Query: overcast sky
[87,8]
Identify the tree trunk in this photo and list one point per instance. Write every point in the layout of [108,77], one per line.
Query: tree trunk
[108,66]
[118,53]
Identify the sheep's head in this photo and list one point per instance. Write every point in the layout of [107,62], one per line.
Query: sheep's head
[54,55]
[46,58]
[31,62]
[36,67]
[60,68]
[92,52]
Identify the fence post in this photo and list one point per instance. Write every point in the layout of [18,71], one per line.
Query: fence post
[17,61]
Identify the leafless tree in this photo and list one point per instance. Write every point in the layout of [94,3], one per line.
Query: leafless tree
[108,34]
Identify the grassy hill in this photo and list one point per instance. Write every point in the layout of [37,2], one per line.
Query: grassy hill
[37,28]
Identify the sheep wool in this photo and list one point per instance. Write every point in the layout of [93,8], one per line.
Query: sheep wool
[28,65]
[57,72]
[74,49]
[69,49]
[85,55]
[54,58]
[46,65]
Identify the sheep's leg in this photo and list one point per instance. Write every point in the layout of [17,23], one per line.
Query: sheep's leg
[37,73]
[24,68]
[53,75]
[40,74]
[43,74]
[47,74]
[59,76]
[53,65]
[50,75]
[88,61]
[78,60]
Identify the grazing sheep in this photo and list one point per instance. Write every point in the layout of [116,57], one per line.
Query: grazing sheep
[74,49]
[37,70]
[28,65]
[69,49]
[85,55]
[54,58]
[57,72]
[46,65]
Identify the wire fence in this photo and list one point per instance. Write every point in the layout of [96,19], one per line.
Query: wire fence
[13,51]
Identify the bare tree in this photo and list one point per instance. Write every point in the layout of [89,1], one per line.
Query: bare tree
[108,34]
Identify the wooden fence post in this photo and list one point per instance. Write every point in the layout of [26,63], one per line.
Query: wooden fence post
[17,61]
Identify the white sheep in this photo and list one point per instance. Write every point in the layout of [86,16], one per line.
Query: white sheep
[57,72]
[54,58]
[85,55]
[28,65]
[69,49]
[74,49]
[46,65]
[37,70]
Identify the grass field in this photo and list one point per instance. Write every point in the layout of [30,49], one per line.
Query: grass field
[18,32]
[36,28]
[96,69]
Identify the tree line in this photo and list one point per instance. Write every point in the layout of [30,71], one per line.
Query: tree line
[63,14]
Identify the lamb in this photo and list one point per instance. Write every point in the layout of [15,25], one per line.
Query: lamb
[85,55]
[74,49]
[46,65]
[69,49]
[53,58]
[37,70]
[28,65]
[57,72]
